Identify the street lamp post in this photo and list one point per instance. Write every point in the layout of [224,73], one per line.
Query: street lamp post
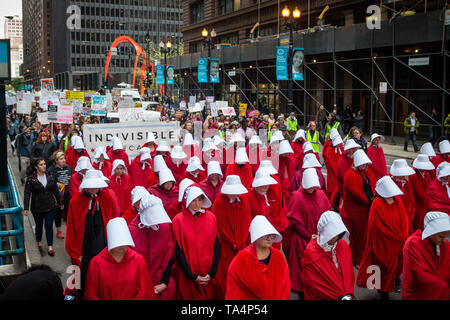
[290,23]
[165,49]
[208,40]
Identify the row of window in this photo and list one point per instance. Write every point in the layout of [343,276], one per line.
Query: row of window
[223,7]
[100,62]
[142,3]
[135,26]
[116,12]
[109,38]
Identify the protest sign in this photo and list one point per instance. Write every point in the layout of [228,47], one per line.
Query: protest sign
[23,107]
[127,102]
[197,107]
[75,95]
[251,113]
[98,107]
[228,111]
[242,109]
[221,104]
[86,112]
[214,109]
[64,114]
[192,99]
[77,106]
[131,114]
[132,134]
[182,105]
[151,115]
[43,118]
[28,97]
[47,84]
[11,100]
[178,115]
[52,112]
[48,98]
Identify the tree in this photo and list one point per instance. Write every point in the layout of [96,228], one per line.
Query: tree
[17,84]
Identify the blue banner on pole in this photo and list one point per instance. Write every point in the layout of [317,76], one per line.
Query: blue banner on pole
[202,70]
[281,63]
[214,70]
[160,74]
[297,64]
[170,72]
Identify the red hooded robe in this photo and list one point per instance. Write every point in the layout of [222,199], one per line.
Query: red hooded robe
[331,163]
[245,173]
[212,192]
[72,157]
[167,196]
[106,167]
[139,176]
[408,201]
[286,172]
[376,155]
[296,182]
[129,214]
[121,186]
[437,198]
[419,184]
[74,183]
[177,171]
[119,154]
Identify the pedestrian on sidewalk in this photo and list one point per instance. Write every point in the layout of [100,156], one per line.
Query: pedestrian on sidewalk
[434,128]
[321,119]
[357,135]
[410,125]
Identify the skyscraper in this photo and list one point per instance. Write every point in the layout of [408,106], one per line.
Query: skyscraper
[13,31]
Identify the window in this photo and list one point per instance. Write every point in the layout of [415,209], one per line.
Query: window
[196,12]
[227,6]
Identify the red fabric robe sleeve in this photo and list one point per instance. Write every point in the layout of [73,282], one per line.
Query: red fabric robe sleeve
[120,154]
[121,186]
[106,168]
[419,185]
[246,173]
[129,214]
[378,159]
[74,184]
[408,201]
[139,176]
[177,171]
[437,198]
[331,163]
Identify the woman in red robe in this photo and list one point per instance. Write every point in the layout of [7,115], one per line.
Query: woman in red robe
[166,190]
[334,153]
[189,147]
[117,152]
[194,171]
[241,168]
[120,183]
[78,150]
[333,133]
[327,262]
[101,161]
[359,186]
[297,147]
[438,194]
[212,185]
[152,236]
[387,231]
[177,163]
[83,165]
[232,211]
[420,183]
[254,152]
[197,248]
[309,161]
[444,152]
[259,272]
[131,212]
[400,171]
[427,148]
[426,260]
[89,212]
[151,143]
[305,208]
[141,167]
[106,279]
[286,169]
[177,206]
[376,155]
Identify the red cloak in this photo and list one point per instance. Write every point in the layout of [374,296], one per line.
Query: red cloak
[355,210]
[343,165]
[233,223]
[251,279]
[274,212]
[254,156]
[152,152]
[326,145]
[72,157]
[331,163]
[128,279]
[119,154]
[156,246]
[177,171]
[419,186]
[376,155]
[121,186]
[323,281]
[129,214]
[298,152]
[438,159]
[387,231]
[426,276]
[106,167]
[74,183]
[437,198]
[151,180]
[200,176]
[196,237]
[408,201]
[245,173]
[211,192]
[175,208]
[286,172]
[296,182]
[303,214]
[192,151]
[139,176]
[76,218]
[167,196]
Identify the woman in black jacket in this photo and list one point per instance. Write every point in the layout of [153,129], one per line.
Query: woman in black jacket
[44,194]
[43,148]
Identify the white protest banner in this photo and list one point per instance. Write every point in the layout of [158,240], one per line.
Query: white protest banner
[98,107]
[24,107]
[182,105]
[114,115]
[221,104]
[28,97]
[228,111]
[52,112]
[48,98]
[131,114]
[65,114]
[192,100]
[132,134]
[11,100]
[197,107]
[202,104]
[214,109]
[109,101]
[47,84]
[77,106]
[43,118]
[149,116]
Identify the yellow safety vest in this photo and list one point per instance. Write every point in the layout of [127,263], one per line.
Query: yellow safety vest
[314,140]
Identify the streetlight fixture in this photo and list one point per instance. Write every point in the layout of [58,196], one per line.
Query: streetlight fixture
[209,42]
[290,23]
[165,49]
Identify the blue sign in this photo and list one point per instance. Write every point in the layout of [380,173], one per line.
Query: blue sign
[202,70]
[297,64]
[170,72]
[160,74]
[214,70]
[5,69]
[281,63]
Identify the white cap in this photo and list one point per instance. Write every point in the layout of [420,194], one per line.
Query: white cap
[444,147]
[274,138]
[351,144]
[329,226]
[209,145]
[214,167]
[78,143]
[387,188]
[255,139]
[153,212]
[310,179]
[83,163]
[159,163]
[237,138]
[73,139]
[194,164]
[116,143]
[267,166]
[182,187]
[119,162]
[218,140]
[178,153]
[300,134]
[100,150]
[422,162]
[376,135]
[233,185]
[138,193]
[427,148]
[333,133]
[241,156]
[118,233]
[193,192]
[188,139]
[260,227]
[163,147]
[307,146]
[336,141]
[150,137]
[435,222]
[279,134]
[93,179]
[165,175]
[144,154]
[400,168]
[310,161]
[360,158]
[263,178]
[443,170]
[285,147]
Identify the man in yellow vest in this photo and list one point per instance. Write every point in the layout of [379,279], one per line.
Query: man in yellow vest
[292,125]
[312,135]
[333,124]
